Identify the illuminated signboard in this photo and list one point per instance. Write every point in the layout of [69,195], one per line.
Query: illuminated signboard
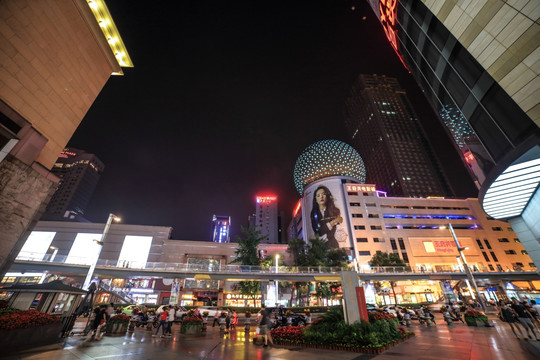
[355,188]
[266,199]
[388,10]
[297,208]
[440,246]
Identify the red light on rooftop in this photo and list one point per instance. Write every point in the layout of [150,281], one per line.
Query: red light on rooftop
[266,199]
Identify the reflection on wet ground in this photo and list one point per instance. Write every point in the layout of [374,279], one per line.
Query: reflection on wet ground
[441,341]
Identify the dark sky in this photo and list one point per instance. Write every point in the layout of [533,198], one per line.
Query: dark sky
[223,98]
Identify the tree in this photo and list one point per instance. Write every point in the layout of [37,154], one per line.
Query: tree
[336,258]
[297,248]
[385,259]
[316,252]
[246,253]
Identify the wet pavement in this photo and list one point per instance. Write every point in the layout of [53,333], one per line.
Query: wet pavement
[438,342]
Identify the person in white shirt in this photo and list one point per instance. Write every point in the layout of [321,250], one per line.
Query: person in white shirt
[170,318]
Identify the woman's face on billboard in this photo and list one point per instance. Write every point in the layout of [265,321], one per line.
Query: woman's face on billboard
[320,197]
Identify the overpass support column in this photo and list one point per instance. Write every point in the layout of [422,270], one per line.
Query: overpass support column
[354,301]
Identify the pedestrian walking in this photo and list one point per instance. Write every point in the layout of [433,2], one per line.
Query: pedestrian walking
[234,320]
[216,318]
[170,319]
[524,317]
[508,315]
[162,322]
[264,323]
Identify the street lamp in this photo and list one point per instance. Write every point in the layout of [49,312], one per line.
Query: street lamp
[277,282]
[100,242]
[468,272]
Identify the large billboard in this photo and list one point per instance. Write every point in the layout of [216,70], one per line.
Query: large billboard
[326,214]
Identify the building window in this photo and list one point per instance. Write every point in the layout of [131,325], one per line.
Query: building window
[509,252]
[401,244]
[393,243]
[355,204]
[517,265]
[376,227]
[496,228]
[485,256]
[533,265]
[516,240]
[503,240]
[479,244]
[361,239]
[405,257]
[373,216]
[487,244]
[510,229]
[524,252]
[357,215]
[364,253]
[359,227]
[491,268]
[379,240]
[371,204]
[494,257]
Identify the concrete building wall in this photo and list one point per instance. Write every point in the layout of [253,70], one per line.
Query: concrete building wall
[504,36]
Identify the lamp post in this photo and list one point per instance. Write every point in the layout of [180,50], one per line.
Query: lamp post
[468,272]
[277,282]
[100,243]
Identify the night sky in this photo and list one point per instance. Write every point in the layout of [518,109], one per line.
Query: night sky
[223,98]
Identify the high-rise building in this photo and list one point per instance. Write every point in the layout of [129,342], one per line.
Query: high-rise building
[50,80]
[481,59]
[385,130]
[79,173]
[221,229]
[266,221]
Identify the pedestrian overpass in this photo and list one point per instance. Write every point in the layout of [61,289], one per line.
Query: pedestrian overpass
[110,268]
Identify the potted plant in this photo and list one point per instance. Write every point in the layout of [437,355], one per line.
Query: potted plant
[118,324]
[191,324]
[475,318]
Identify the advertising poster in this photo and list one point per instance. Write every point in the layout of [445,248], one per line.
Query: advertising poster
[174,292]
[326,213]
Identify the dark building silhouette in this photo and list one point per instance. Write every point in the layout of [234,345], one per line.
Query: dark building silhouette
[79,173]
[384,128]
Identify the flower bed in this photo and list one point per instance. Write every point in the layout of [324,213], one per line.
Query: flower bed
[191,325]
[118,324]
[474,317]
[23,329]
[331,332]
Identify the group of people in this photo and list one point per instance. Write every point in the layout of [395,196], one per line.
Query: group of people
[166,318]
[230,317]
[527,315]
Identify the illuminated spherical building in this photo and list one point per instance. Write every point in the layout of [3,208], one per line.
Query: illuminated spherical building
[327,158]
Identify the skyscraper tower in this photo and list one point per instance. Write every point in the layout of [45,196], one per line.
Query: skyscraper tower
[384,129]
[220,229]
[266,212]
[79,173]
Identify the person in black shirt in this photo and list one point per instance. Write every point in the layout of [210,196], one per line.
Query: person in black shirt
[264,325]
[524,317]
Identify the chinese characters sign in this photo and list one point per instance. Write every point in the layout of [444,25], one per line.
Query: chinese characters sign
[355,188]
[440,246]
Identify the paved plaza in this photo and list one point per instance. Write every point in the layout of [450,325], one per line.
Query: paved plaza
[440,342]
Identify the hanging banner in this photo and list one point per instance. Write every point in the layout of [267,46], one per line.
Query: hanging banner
[175,288]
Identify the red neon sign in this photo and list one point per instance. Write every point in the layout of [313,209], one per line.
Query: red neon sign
[469,157]
[266,199]
[388,10]
[297,208]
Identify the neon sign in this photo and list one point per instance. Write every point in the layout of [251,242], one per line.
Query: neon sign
[355,188]
[297,208]
[266,199]
[388,10]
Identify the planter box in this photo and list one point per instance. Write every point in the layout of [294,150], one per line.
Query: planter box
[191,329]
[117,329]
[19,339]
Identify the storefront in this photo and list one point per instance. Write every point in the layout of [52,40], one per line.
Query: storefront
[239,300]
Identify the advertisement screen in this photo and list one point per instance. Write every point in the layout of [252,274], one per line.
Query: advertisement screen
[326,213]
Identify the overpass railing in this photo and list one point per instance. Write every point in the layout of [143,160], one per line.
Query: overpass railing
[213,268]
